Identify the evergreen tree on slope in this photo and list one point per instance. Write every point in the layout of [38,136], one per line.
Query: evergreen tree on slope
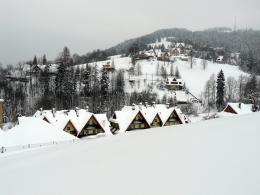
[220,102]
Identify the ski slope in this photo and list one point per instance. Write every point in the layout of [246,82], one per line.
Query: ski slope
[211,157]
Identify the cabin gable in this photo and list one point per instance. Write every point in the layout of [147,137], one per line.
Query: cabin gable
[173,119]
[229,109]
[139,122]
[70,128]
[45,119]
[92,127]
[157,122]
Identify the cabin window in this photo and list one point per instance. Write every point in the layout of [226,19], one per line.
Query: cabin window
[68,128]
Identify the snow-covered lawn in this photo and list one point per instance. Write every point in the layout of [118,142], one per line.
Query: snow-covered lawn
[32,131]
[211,157]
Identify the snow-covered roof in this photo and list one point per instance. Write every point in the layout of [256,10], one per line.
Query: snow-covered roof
[78,117]
[33,130]
[174,81]
[103,121]
[180,45]
[220,58]
[1,100]
[127,114]
[240,108]
[124,119]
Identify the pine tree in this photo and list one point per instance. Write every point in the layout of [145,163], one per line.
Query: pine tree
[68,92]
[44,60]
[95,95]
[251,85]
[35,62]
[104,84]
[86,80]
[65,57]
[220,91]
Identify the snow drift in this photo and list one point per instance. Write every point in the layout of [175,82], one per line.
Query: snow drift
[32,131]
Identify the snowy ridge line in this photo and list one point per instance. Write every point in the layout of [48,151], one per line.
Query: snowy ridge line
[31,146]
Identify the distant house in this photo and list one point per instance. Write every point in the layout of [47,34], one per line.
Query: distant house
[144,56]
[238,108]
[78,122]
[108,67]
[220,59]
[173,83]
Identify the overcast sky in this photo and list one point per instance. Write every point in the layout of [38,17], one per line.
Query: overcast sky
[37,27]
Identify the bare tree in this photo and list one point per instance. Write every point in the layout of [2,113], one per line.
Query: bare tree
[204,63]
[231,88]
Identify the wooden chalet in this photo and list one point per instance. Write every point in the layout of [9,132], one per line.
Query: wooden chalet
[173,119]
[157,121]
[108,67]
[143,117]
[174,83]
[78,122]
[92,127]
[70,128]
[238,108]
[139,122]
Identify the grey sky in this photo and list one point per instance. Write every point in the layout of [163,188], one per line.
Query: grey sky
[37,27]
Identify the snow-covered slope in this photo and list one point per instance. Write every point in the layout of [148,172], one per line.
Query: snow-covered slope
[195,78]
[33,131]
[213,157]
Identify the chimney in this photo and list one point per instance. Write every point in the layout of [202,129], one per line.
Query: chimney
[41,110]
[167,105]
[153,104]
[77,111]
[140,106]
[1,113]
[133,106]
[87,108]
[53,112]
[239,105]
[146,104]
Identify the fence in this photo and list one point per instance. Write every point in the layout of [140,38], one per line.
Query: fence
[31,146]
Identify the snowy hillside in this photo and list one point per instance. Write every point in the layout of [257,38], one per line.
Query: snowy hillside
[214,157]
[194,78]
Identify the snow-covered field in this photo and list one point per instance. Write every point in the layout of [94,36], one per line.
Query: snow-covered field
[32,131]
[211,157]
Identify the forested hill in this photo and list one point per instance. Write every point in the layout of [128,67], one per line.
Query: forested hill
[234,41]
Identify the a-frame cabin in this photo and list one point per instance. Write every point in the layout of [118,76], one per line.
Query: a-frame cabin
[229,109]
[70,128]
[45,119]
[139,122]
[92,127]
[157,121]
[173,119]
